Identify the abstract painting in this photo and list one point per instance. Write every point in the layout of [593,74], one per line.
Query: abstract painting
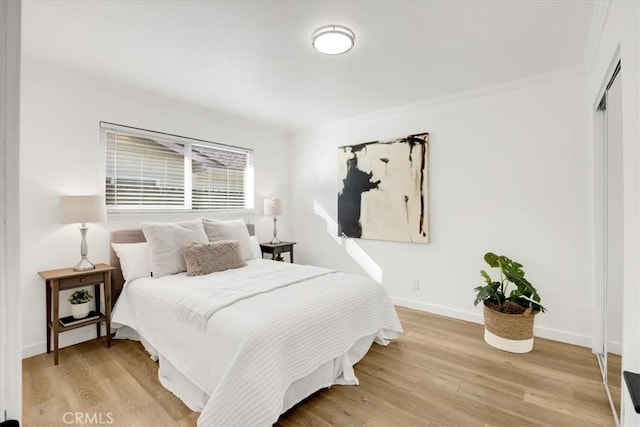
[384,189]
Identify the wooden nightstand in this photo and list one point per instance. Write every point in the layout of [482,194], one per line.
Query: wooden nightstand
[66,278]
[276,249]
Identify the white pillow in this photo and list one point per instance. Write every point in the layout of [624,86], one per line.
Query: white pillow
[234,229]
[165,241]
[134,259]
[255,247]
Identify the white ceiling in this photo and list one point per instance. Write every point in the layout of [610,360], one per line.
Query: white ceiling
[254,59]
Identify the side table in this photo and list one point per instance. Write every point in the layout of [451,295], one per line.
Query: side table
[276,249]
[66,278]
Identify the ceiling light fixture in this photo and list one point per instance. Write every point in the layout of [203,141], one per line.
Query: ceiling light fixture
[333,39]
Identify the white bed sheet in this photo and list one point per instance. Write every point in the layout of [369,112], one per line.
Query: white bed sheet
[250,362]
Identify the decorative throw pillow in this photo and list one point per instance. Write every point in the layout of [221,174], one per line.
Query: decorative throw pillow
[165,241]
[205,258]
[234,229]
[134,259]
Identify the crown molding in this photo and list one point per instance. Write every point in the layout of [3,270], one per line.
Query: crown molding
[539,79]
[598,20]
[63,71]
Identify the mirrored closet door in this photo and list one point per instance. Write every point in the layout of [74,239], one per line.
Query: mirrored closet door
[612,238]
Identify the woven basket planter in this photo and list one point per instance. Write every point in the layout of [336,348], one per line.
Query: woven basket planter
[509,332]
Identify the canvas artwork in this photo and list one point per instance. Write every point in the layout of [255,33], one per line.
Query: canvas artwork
[384,190]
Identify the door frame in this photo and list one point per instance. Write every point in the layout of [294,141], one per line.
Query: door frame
[10,290]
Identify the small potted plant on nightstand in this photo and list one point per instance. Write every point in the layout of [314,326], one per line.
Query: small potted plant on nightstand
[508,316]
[80,303]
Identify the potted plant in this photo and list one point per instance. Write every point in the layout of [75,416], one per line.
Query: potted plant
[80,303]
[508,314]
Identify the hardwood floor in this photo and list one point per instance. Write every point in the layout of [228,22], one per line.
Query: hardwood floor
[439,373]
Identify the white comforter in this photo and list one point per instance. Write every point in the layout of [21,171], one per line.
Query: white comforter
[208,294]
[252,350]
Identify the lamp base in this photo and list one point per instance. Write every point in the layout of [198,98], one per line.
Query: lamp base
[84,265]
[275,240]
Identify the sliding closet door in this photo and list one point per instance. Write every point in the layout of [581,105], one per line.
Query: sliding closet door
[614,234]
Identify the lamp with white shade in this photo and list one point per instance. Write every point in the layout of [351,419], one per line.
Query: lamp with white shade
[274,207]
[82,209]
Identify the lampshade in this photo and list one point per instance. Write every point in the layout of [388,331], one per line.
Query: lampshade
[81,209]
[333,39]
[273,207]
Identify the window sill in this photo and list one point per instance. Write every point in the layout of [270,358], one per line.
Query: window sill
[164,215]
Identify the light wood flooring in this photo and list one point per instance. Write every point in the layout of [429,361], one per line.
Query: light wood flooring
[439,373]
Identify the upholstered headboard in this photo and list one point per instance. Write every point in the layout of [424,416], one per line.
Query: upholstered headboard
[130,236]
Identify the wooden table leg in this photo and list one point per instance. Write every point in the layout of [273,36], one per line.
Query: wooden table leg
[48,323]
[107,305]
[96,291]
[54,320]
[291,255]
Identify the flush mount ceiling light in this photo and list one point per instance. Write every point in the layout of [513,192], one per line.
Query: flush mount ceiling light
[333,39]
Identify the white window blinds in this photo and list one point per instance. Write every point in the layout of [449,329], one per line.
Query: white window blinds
[218,178]
[151,170]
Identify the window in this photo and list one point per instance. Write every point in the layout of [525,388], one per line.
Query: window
[148,170]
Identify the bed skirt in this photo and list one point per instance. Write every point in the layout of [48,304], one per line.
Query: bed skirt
[335,372]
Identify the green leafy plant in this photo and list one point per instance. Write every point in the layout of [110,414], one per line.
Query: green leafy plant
[80,297]
[495,293]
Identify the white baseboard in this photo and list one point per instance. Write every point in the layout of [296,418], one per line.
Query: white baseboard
[563,336]
[75,336]
[438,309]
[615,347]
[548,333]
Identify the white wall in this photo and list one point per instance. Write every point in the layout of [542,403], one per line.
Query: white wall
[620,37]
[510,172]
[10,309]
[61,153]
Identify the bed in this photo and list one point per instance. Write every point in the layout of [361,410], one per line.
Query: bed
[244,345]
